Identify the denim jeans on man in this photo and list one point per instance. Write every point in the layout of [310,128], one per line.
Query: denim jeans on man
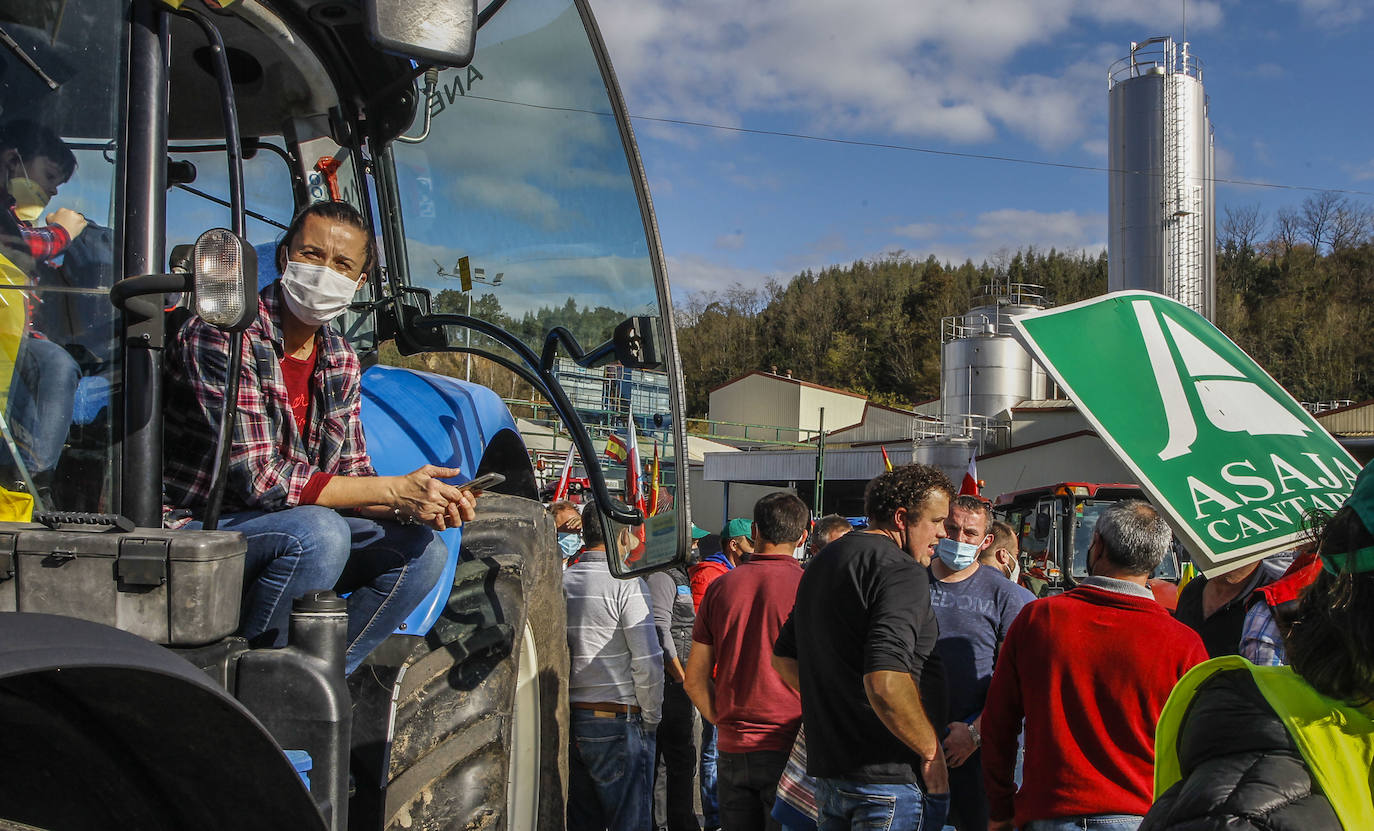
[610,773]
[385,568]
[675,772]
[747,787]
[1096,822]
[41,395]
[710,805]
[849,806]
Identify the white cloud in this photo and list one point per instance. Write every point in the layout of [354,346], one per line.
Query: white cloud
[999,233]
[965,71]
[918,230]
[691,274]
[1332,13]
[1064,230]
[730,242]
[1362,172]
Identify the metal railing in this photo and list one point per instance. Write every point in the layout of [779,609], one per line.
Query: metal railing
[1156,56]
[1315,407]
[988,433]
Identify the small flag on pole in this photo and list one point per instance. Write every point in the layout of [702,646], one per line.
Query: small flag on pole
[887,463]
[561,490]
[653,485]
[969,487]
[616,448]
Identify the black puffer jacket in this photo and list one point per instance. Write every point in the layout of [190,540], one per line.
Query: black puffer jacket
[1241,769]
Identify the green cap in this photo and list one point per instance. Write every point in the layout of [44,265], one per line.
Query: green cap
[737,527]
[698,533]
[1362,500]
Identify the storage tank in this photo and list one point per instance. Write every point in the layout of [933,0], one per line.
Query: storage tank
[1161,207]
[984,368]
[950,454]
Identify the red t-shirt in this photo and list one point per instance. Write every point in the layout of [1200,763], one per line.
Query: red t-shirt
[296,374]
[1089,670]
[739,619]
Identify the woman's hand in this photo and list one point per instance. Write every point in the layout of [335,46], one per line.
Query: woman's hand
[423,495]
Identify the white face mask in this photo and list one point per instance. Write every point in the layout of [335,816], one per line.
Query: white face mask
[1015,575]
[30,198]
[316,294]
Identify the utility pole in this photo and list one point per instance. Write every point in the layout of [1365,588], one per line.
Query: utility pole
[818,496]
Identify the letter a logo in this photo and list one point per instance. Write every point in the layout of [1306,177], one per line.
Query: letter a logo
[1226,397]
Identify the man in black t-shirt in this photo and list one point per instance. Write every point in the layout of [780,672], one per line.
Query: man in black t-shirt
[855,646]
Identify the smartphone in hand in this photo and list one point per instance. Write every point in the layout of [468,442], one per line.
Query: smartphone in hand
[482,483]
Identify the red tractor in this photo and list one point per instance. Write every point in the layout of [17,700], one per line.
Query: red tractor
[1054,526]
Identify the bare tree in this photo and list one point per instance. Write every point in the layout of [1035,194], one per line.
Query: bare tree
[1286,228]
[1331,221]
[1350,225]
[1241,228]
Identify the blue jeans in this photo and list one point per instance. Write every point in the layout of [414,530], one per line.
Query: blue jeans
[610,773]
[851,806]
[710,802]
[1095,822]
[385,568]
[40,401]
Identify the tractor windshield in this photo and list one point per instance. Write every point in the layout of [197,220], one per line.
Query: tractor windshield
[1086,514]
[522,206]
[60,65]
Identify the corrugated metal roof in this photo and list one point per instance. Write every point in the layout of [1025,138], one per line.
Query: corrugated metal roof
[1355,420]
[859,464]
[1045,404]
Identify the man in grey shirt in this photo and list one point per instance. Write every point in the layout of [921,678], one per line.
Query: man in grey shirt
[615,687]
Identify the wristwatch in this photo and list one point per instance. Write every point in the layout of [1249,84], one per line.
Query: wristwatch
[403,518]
[977,737]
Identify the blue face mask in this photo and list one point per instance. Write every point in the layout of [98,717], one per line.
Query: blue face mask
[570,542]
[957,555]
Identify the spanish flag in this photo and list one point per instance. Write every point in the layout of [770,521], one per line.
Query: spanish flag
[617,449]
[887,463]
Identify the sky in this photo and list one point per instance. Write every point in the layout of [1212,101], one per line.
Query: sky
[1287,82]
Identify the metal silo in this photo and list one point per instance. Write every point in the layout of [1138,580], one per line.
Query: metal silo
[1161,214]
[984,368]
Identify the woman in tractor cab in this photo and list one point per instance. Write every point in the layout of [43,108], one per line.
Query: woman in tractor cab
[299,483]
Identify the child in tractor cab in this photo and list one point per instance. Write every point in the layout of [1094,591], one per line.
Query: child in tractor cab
[39,377]
[299,483]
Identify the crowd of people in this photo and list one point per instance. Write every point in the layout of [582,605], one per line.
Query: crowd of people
[898,677]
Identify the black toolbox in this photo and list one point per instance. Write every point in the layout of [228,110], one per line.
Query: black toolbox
[178,588]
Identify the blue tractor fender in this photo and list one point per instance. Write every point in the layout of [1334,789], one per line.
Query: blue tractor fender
[412,419]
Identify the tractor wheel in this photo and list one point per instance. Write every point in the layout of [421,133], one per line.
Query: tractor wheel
[481,724]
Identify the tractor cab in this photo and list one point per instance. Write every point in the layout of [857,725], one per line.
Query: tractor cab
[152,153]
[1054,527]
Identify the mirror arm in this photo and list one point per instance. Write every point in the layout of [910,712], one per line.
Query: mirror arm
[229,113]
[145,284]
[583,359]
[615,508]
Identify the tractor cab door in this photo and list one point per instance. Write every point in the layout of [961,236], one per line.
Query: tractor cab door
[523,240]
[60,360]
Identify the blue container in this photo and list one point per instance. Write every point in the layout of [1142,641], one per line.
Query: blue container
[301,761]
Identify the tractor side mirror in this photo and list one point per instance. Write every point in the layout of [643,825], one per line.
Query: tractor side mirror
[1042,525]
[441,32]
[637,343]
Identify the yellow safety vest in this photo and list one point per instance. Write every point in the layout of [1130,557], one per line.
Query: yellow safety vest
[1335,739]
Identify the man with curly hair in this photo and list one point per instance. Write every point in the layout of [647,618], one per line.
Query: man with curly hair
[856,645]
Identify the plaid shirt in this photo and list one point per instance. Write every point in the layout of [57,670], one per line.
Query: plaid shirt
[44,242]
[1261,642]
[271,462]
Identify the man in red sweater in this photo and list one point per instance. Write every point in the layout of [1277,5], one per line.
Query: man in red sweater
[1089,671]
[730,676]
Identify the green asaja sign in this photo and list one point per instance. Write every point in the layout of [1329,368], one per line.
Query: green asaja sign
[1224,450]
